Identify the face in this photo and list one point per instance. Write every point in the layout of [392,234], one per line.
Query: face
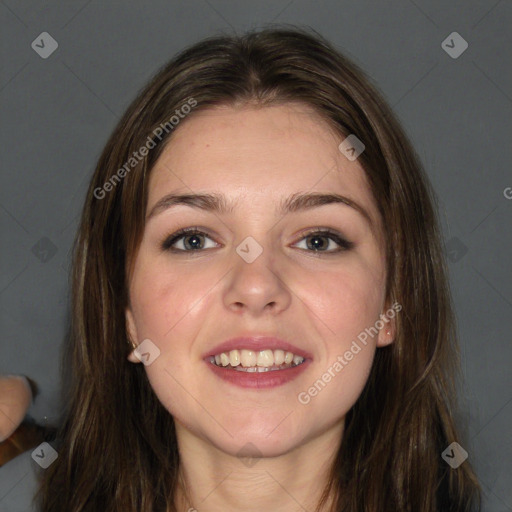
[254,270]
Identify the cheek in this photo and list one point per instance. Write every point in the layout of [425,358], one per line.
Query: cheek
[335,391]
[347,300]
[169,309]
[167,299]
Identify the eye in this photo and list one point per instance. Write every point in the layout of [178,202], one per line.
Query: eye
[320,238]
[317,240]
[186,240]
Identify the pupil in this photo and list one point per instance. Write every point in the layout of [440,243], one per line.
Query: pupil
[196,243]
[317,245]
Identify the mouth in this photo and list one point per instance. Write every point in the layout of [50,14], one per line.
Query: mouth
[256,361]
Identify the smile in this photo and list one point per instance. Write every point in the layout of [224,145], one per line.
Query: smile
[256,361]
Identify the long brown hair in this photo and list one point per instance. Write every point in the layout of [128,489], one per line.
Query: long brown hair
[117,444]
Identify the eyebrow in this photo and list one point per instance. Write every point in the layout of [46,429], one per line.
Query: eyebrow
[217,203]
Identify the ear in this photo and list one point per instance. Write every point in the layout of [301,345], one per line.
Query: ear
[132,335]
[387,323]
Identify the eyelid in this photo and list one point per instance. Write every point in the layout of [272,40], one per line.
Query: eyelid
[171,239]
[334,235]
[343,243]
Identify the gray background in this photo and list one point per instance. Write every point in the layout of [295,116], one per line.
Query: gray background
[58,112]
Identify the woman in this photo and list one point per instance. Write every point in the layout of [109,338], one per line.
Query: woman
[261,319]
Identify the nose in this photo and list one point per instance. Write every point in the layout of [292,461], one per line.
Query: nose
[258,287]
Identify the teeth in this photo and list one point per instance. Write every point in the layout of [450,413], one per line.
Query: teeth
[234,358]
[297,359]
[247,358]
[253,369]
[263,360]
[278,356]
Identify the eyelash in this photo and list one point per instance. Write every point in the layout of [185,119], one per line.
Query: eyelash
[344,245]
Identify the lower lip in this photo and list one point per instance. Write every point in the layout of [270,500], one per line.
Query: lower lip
[259,380]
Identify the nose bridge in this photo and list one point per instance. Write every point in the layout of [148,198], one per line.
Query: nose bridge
[256,281]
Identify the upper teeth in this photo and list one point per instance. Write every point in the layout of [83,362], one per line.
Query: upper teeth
[262,358]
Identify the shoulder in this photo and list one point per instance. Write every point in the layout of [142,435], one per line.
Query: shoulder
[18,484]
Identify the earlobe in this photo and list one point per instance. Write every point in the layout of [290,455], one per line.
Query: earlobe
[132,335]
[133,358]
[387,330]
[385,338]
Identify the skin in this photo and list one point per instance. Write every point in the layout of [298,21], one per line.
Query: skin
[189,302]
[15,398]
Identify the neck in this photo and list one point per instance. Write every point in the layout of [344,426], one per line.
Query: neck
[215,481]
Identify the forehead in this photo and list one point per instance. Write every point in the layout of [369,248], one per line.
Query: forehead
[260,154]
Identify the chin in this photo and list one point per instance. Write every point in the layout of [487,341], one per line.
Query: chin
[248,446]
[259,435]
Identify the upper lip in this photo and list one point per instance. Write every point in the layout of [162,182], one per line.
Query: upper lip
[257,343]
